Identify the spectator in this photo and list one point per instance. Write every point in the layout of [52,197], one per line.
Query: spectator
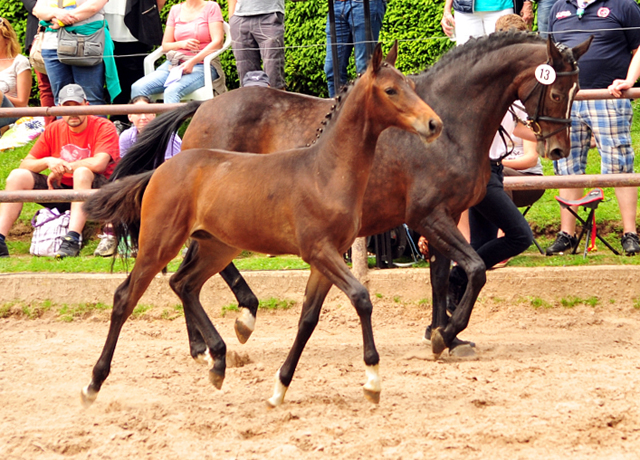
[351,34]
[544,9]
[140,120]
[194,30]
[257,31]
[44,86]
[614,24]
[83,17]
[80,150]
[108,244]
[128,50]
[15,72]
[476,18]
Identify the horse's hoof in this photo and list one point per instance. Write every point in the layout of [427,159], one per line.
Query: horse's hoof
[245,325]
[279,391]
[438,344]
[463,351]
[456,342]
[372,396]
[88,396]
[216,379]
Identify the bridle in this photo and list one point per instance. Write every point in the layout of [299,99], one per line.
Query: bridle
[533,123]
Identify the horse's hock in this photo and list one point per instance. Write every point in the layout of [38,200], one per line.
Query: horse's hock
[607,283]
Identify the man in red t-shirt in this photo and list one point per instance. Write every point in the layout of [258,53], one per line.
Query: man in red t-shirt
[81,152]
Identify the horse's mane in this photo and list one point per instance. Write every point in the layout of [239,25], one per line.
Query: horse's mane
[330,117]
[476,48]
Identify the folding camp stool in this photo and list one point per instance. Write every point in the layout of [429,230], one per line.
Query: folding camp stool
[590,201]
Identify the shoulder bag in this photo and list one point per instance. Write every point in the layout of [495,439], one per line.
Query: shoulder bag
[80,50]
[35,54]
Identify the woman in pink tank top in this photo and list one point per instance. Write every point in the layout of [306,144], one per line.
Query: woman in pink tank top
[194,30]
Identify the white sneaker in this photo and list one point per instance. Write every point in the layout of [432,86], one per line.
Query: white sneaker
[106,247]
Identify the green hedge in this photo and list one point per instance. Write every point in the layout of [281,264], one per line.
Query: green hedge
[415,23]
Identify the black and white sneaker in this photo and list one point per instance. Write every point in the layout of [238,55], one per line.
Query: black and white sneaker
[630,243]
[564,243]
[70,247]
[4,251]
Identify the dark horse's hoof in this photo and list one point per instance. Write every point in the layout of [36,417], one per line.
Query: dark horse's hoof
[216,379]
[438,344]
[454,344]
[372,396]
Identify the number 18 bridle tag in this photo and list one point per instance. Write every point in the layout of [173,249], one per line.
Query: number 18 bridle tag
[545,74]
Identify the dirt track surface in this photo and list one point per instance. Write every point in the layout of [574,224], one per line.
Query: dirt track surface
[547,383]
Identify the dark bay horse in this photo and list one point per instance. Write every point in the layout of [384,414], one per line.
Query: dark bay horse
[305,201]
[425,186]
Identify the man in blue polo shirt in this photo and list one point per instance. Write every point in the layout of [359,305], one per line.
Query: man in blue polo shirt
[613,24]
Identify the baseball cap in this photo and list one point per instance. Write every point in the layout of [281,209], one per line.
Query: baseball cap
[255,78]
[71,92]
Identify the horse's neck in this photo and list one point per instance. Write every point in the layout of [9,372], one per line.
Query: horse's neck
[351,137]
[484,92]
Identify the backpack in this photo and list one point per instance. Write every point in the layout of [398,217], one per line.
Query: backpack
[49,227]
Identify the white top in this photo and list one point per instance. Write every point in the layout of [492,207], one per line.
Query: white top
[256,7]
[498,148]
[114,14]
[9,76]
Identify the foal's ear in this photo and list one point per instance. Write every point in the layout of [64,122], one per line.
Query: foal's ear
[581,48]
[376,58]
[393,54]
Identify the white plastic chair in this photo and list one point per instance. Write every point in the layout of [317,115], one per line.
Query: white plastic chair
[201,94]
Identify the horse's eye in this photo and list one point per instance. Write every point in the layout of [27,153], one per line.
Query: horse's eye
[555,97]
[391,91]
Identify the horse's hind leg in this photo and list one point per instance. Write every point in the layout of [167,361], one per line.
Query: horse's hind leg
[125,299]
[205,258]
[317,288]
[247,302]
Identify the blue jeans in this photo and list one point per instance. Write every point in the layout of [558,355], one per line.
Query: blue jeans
[6,121]
[60,75]
[350,33]
[154,83]
[544,8]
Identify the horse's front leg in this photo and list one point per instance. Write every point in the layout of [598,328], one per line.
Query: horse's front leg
[439,268]
[332,265]
[442,233]
[317,288]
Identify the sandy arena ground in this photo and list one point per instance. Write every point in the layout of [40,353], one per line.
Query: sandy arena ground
[552,383]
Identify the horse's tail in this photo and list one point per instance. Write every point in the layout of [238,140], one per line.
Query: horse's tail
[148,151]
[119,204]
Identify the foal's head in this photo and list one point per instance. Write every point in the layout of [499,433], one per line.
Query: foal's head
[393,99]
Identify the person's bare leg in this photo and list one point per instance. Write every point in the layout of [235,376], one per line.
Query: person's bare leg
[568,220]
[82,180]
[628,203]
[19,179]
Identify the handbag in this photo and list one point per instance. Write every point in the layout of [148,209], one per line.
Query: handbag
[35,54]
[80,50]
[49,227]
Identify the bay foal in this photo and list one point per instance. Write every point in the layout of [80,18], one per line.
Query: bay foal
[305,201]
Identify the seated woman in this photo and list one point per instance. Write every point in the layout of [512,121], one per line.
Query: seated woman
[523,161]
[194,30]
[15,72]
